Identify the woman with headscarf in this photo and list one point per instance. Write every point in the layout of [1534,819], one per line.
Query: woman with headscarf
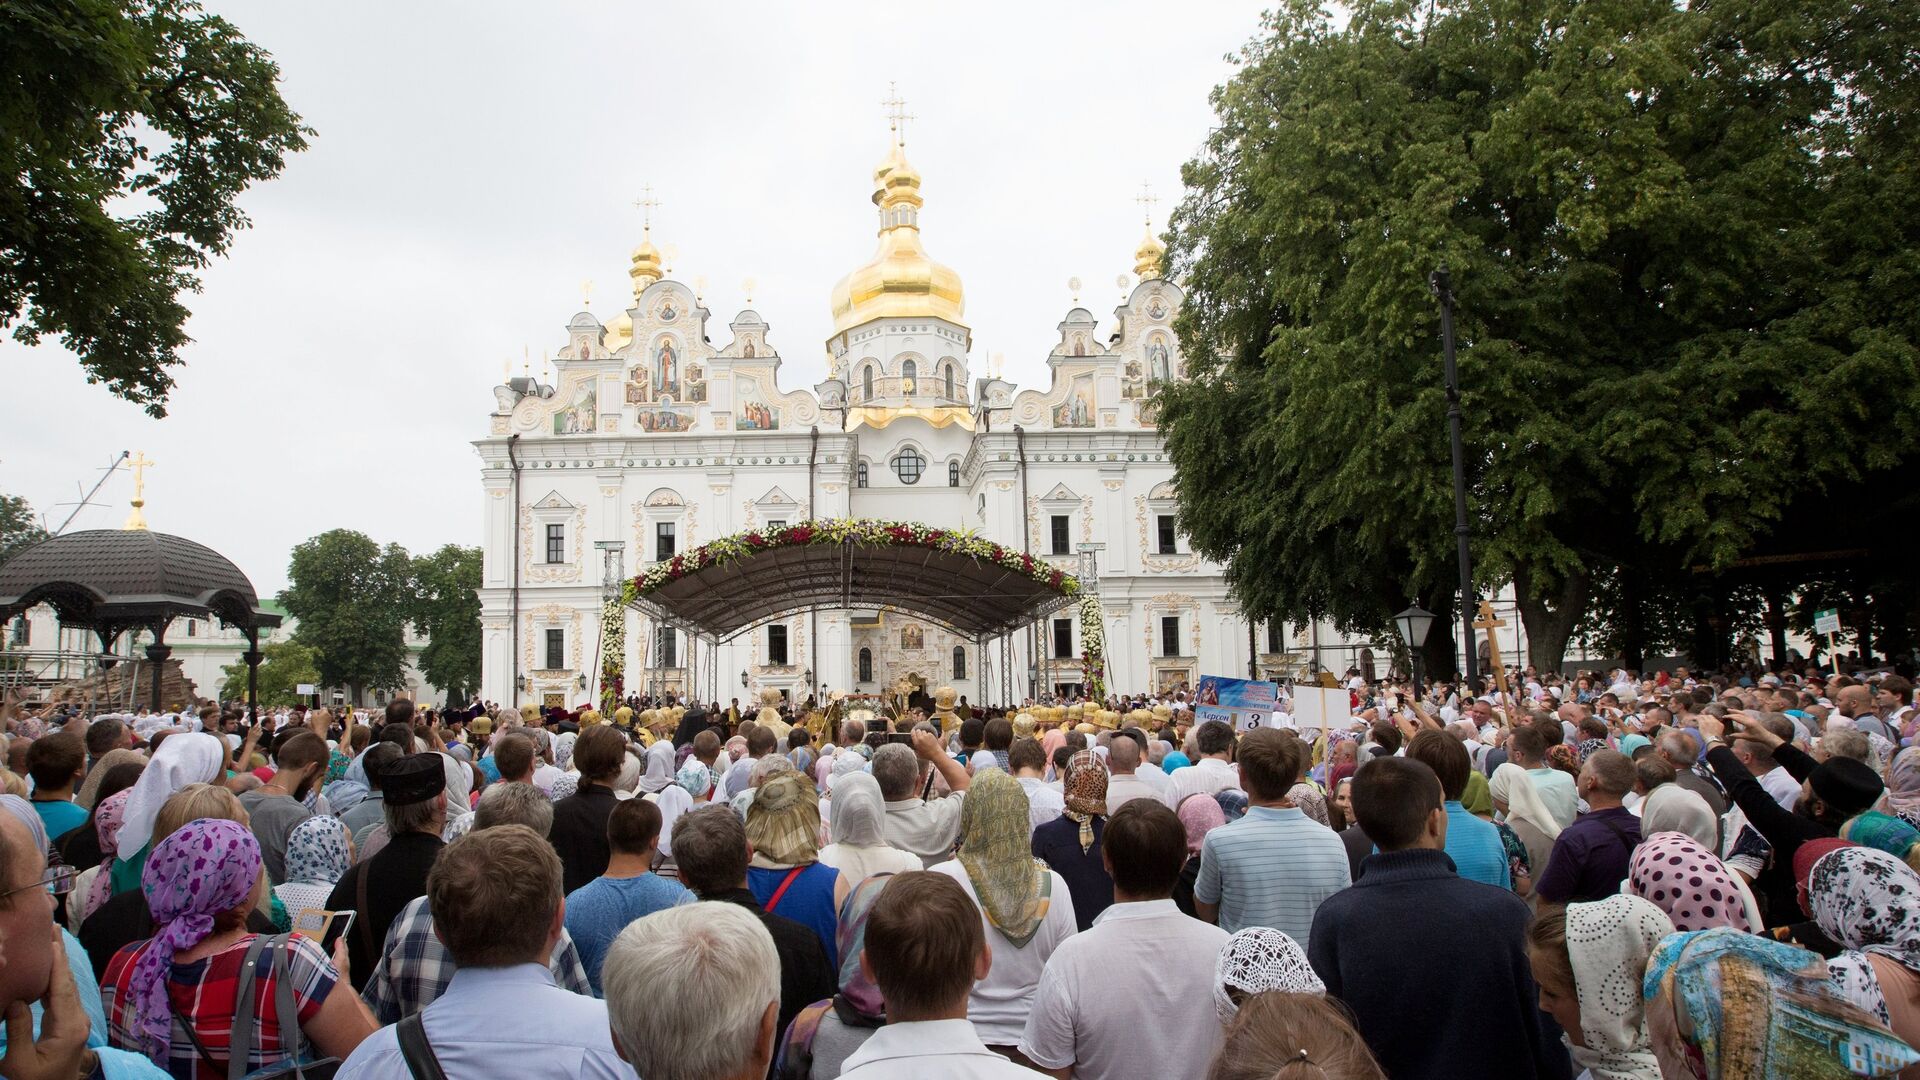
[1070,843]
[1885,832]
[1869,902]
[1024,906]
[1723,1005]
[1515,797]
[1199,815]
[319,853]
[786,874]
[859,846]
[1588,960]
[200,883]
[1903,786]
[1258,960]
[352,788]
[182,759]
[1672,808]
[1685,880]
[94,886]
[659,773]
[823,1035]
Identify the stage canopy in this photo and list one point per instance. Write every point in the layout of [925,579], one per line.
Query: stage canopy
[975,594]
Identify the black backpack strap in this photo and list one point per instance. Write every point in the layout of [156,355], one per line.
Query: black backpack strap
[418,1053]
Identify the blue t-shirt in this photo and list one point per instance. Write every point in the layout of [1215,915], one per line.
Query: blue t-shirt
[600,909]
[61,816]
[1475,848]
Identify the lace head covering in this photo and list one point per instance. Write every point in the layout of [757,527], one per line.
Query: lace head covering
[1608,943]
[1258,959]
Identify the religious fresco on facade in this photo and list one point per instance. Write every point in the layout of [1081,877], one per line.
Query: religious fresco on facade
[696,384]
[1159,363]
[912,637]
[666,371]
[665,417]
[755,414]
[1132,386]
[578,417]
[1077,410]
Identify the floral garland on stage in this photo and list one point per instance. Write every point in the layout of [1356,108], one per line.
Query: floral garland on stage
[870,532]
[613,651]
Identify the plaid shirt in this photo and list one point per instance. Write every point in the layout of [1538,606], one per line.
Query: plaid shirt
[414,968]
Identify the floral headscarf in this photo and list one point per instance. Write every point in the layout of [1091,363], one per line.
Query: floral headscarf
[1727,1005]
[783,821]
[1085,788]
[996,850]
[1608,943]
[317,851]
[1200,814]
[107,819]
[1684,880]
[851,937]
[1868,901]
[694,778]
[564,785]
[207,867]
[1257,959]
[1588,747]
[1563,757]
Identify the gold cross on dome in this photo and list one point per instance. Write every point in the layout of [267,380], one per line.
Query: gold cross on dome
[646,204]
[140,463]
[897,115]
[1146,201]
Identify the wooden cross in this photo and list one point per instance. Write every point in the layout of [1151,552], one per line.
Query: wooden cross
[1490,622]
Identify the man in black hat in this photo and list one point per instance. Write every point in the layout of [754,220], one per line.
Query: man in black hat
[415,796]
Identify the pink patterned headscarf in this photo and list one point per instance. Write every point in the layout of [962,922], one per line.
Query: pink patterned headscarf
[1200,814]
[208,867]
[1684,880]
[107,819]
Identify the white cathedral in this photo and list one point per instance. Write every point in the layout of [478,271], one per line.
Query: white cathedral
[654,440]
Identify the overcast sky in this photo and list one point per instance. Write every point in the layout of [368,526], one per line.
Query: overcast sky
[475,163]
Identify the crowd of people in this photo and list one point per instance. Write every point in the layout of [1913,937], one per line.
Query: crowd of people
[1682,875]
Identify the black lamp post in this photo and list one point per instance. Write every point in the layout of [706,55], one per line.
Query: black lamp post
[1414,623]
[1442,284]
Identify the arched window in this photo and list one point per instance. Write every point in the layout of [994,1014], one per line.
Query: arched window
[953,474]
[908,372]
[950,396]
[866,383]
[908,465]
[866,665]
[860,475]
[959,662]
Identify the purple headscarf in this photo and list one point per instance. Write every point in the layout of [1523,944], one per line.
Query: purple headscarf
[208,867]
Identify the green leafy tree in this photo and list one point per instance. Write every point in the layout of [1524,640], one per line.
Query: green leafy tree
[447,611]
[1680,237]
[353,599]
[19,527]
[287,664]
[128,132]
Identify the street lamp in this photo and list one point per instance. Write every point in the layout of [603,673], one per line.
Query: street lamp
[1414,623]
[743,678]
[1441,282]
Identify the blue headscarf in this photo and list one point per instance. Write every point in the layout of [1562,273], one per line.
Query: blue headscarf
[351,790]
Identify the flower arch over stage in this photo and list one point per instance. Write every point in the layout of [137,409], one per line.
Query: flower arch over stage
[854,533]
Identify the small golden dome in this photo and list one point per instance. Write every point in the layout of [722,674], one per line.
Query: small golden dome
[619,332]
[901,280]
[1148,256]
[646,265]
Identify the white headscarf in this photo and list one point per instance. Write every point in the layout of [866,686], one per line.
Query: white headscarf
[1258,959]
[859,811]
[184,758]
[659,775]
[1609,943]
[1672,808]
[673,801]
[1511,785]
[459,787]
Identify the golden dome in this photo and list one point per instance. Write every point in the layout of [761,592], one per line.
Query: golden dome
[646,265]
[901,280]
[1147,257]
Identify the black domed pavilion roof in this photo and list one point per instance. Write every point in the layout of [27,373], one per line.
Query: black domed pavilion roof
[119,577]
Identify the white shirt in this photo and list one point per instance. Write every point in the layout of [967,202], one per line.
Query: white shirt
[999,1003]
[1154,777]
[1123,789]
[929,1049]
[1208,776]
[928,829]
[1044,803]
[1780,784]
[1105,998]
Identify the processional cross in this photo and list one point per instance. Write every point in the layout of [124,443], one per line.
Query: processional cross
[1490,622]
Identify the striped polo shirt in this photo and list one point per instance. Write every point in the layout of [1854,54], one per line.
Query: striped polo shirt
[1271,868]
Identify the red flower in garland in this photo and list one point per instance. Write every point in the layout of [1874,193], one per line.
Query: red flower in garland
[1053,579]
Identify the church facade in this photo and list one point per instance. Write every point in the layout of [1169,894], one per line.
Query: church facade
[661,432]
